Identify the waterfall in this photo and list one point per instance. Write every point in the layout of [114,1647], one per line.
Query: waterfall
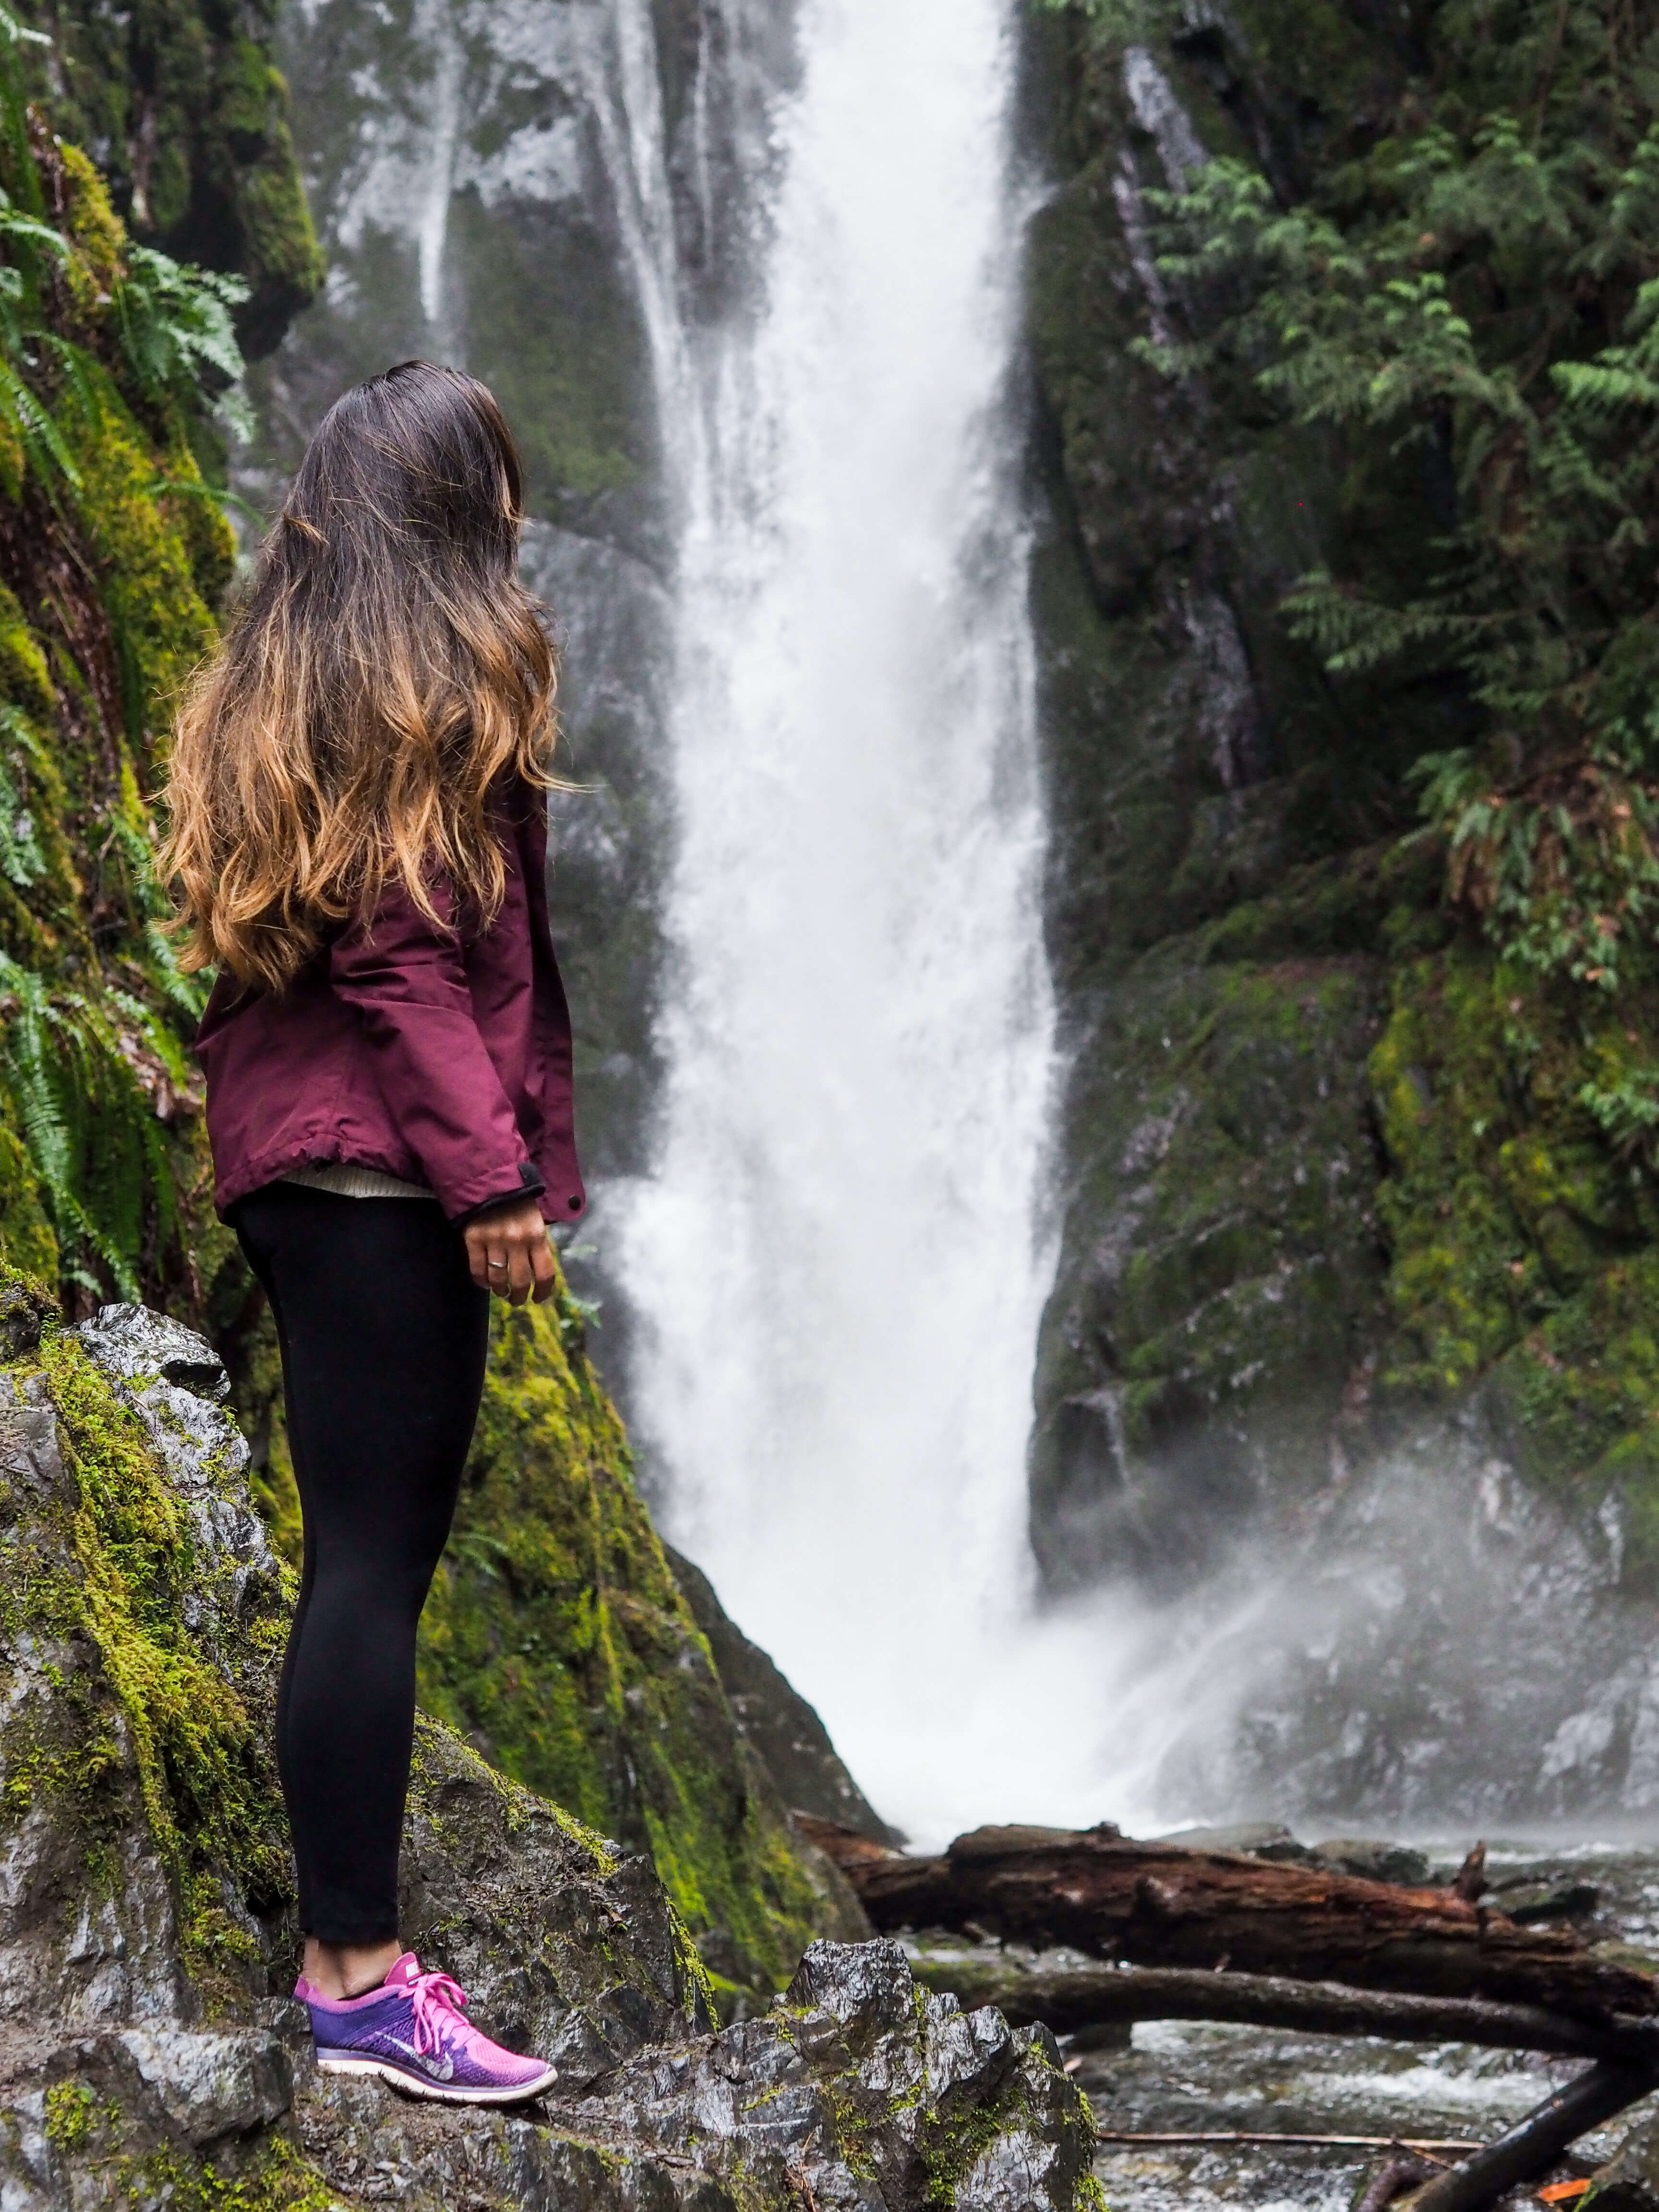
[745,274]
[838,1264]
[758,269]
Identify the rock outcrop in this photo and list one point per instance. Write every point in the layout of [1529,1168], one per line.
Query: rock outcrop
[558,1642]
[146,1910]
[773,1717]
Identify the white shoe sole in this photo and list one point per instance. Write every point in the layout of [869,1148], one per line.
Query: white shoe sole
[437,2092]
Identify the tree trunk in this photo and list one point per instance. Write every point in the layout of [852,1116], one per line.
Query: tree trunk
[1069,2000]
[1534,2144]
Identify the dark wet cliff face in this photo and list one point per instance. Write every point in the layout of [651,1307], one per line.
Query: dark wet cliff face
[1221,871]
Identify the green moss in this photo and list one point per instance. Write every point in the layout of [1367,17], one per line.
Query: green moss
[208,1786]
[556,1640]
[161,625]
[1226,1165]
[99,626]
[93,223]
[273,2176]
[952,2143]
[1525,1243]
[71,2110]
[180,106]
[27,1241]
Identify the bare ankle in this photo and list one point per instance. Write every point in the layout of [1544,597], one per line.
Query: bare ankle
[348,1969]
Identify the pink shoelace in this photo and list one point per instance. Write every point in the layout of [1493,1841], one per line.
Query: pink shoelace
[438,1997]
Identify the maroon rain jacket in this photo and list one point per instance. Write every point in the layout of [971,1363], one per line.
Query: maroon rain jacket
[440,1056]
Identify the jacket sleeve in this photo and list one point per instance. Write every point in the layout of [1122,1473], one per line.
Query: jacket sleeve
[408,982]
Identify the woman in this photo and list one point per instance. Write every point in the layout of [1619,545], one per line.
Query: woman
[358,841]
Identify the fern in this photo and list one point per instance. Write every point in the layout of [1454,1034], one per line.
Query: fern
[91,1056]
[177,335]
[79,1078]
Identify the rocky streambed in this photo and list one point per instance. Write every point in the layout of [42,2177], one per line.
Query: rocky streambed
[1170,2078]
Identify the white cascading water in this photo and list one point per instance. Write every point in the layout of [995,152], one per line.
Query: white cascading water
[838,1262]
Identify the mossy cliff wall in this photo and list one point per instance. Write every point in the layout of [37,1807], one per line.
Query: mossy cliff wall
[184,111]
[113,555]
[1338,1167]
[557,1638]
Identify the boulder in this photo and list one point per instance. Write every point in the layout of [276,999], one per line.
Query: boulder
[1375,1859]
[147,1931]
[1263,1839]
[1629,2182]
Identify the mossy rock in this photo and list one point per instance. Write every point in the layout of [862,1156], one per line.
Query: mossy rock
[149,1935]
[1525,1240]
[1222,1270]
[186,116]
[558,1640]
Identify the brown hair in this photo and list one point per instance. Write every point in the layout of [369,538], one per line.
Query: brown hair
[386,675]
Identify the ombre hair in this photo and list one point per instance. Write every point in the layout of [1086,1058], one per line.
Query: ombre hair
[381,684]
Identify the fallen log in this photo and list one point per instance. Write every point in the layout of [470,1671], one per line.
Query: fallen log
[1072,1999]
[1160,1905]
[1534,2143]
[1229,2138]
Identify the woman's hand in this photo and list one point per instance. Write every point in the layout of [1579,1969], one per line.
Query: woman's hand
[507,1249]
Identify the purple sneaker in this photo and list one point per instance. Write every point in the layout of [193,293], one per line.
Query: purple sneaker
[412,2031]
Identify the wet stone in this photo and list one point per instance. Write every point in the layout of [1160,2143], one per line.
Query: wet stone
[1260,1840]
[1374,1860]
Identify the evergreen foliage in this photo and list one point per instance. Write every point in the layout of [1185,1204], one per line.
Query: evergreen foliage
[1466,303]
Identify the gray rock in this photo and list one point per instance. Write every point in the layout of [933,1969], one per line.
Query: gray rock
[1532,1903]
[1629,2182]
[134,2070]
[210,2085]
[1376,1861]
[564,1945]
[859,2089]
[141,1347]
[79,1942]
[176,1383]
[1262,1839]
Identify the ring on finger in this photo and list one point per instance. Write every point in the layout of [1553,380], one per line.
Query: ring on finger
[497,1267]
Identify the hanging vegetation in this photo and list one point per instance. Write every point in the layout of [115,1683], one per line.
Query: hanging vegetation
[115,362]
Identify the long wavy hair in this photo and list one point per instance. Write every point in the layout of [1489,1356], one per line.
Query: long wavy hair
[382,682]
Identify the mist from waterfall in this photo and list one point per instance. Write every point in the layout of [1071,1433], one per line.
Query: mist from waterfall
[839,1262]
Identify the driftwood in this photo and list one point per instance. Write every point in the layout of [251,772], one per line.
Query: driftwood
[1069,2000]
[1160,1904]
[1534,2144]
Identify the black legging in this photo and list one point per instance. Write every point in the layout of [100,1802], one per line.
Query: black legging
[384,1335]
